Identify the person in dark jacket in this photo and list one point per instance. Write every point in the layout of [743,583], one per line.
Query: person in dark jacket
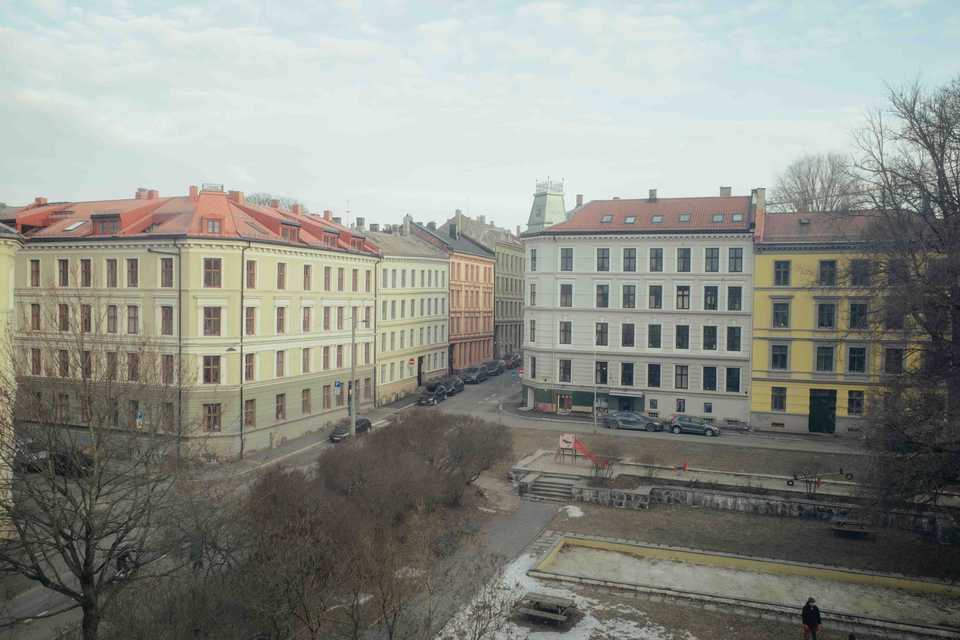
[810,615]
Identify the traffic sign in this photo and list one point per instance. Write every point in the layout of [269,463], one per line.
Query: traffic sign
[411,362]
[337,384]
[520,370]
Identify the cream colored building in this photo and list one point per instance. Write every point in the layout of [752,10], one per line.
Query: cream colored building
[9,245]
[252,305]
[412,313]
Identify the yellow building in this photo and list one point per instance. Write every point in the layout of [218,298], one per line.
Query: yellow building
[9,245]
[815,356]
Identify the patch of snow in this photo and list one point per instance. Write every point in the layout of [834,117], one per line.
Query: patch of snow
[486,510]
[572,511]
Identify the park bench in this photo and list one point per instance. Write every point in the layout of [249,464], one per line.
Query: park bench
[545,607]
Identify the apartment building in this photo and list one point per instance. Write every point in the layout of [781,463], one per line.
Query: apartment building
[250,307]
[643,305]
[816,355]
[508,277]
[470,294]
[10,243]
[412,312]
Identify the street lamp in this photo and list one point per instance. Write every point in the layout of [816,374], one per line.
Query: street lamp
[352,386]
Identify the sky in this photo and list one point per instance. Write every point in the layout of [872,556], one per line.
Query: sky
[378,109]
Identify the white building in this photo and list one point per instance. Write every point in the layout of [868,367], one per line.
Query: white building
[644,304]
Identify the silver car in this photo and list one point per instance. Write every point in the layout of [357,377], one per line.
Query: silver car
[631,420]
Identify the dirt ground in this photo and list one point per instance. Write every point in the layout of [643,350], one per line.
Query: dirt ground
[704,455]
[792,539]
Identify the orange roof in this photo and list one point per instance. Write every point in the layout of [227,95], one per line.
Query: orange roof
[672,215]
[211,214]
[778,228]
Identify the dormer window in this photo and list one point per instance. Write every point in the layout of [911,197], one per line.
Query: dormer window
[684,217]
[737,217]
[213,225]
[357,244]
[330,239]
[289,232]
[657,219]
[718,217]
[106,225]
[607,219]
[630,220]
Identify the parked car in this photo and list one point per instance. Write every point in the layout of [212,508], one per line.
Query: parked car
[454,385]
[493,368]
[631,420]
[433,385]
[513,360]
[72,461]
[29,456]
[473,375]
[342,429]
[693,424]
[432,398]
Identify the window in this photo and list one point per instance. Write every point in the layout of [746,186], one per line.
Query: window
[281,320]
[860,273]
[250,413]
[63,272]
[133,272]
[603,259]
[86,272]
[564,371]
[305,359]
[708,407]
[367,279]
[781,273]
[166,321]
[627,334]
[566,259]
[340,274]
[280,364]
[340,313]
[681,376]
[855,403]
[167,368]
[306,402]
[683,297]
[682,336]
[711,298]
[656,219]
[709,338]
[533,259]
[63,363]
[709,378]
[251,274]
[211,369]
[827,273]
[825,359]
[307,277]
[733,380]
[306,322]
[684,217]
[653,336]
[734,298]
[656,260]
[683,260]
[629,259]
[826,315]
[533,367]
[36,362]
[655,299]
[781,315]
[355,279]
[211,321]
[778,398]
[86,318]
[63,317]
[606,219]
[213,225]
[112,319]
[603,296]
[857,359]
[566,332]
[34,273]
[533,294]
[779,357]
[893,360]
[250,320]
[35,317]
[249,366]
[733,338]
[893,319]
[280,406]
[600,339]
[326,278]
[566,295]
[212,272]
[112,272]
[111,365]
[653,378]
[681,405]
[533,331]
[133,319]
[626,374]
[735,260]
[629,296]
[601,372]
[858,315]
[281,275]
[712,260]
[133,367]
[212,416]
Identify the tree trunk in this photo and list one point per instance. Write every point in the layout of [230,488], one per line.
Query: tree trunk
[91,621]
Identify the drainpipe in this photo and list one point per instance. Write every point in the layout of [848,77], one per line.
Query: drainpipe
[243,330]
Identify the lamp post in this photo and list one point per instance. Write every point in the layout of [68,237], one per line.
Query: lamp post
[352,385]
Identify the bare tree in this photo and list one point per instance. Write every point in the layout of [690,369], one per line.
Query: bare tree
[95,437]
[910,162]
[816,183]
[264,199]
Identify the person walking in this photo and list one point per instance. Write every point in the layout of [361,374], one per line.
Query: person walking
[810,616]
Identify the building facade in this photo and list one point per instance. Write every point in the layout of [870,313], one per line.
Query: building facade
[249,308]
[9,245]
[642,305]
[470,295]
[816,357]
[412,312]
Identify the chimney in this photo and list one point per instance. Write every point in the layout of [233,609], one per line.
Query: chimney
[616,197]
[337,220]
[194,192]
[141,194]
[235,196]
[432,225]
[297,208]
[453,229]
[758,207]
[39,201]
[327,214]
[153,194]
[375,227]
[652,196]
[518,231]
[725,192]
[359,224]
[482,219]
[407,223]
[274,203]
[579,199]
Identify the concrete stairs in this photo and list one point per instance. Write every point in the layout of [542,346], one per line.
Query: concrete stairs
[553,487]
[544,542]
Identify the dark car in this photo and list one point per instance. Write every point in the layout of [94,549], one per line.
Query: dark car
[473,375]
[454,385]
[435,385]
[432,398]
[693,424]
[631,420]
[342,430]
[29,456]
[492,368]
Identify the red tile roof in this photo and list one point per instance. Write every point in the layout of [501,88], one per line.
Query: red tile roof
[821,228]
[639,215]
[188,216]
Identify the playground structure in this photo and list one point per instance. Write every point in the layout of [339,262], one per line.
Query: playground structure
[813,480]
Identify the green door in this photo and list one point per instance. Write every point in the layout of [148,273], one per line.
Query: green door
[823,411]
